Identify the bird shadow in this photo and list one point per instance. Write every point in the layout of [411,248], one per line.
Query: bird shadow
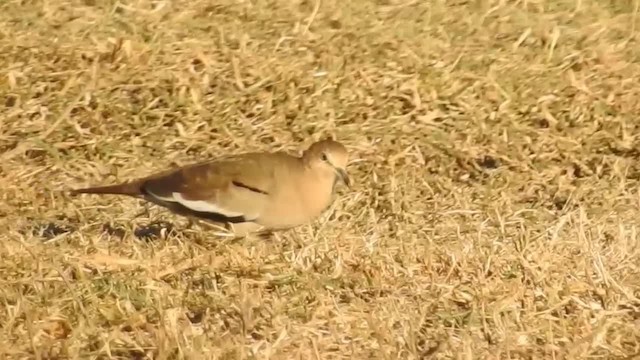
[51,229]
[48,230]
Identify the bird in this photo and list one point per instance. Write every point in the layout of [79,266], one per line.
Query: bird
[247,192]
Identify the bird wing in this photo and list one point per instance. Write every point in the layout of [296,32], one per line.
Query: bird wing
[237,188]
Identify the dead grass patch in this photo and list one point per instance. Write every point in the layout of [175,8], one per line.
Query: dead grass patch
[495,210]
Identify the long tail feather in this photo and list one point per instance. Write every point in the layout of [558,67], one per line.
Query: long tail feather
[131,189]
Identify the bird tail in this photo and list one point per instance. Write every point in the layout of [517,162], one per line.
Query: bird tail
[131,189]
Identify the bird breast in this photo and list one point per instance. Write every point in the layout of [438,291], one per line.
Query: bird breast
[299,202]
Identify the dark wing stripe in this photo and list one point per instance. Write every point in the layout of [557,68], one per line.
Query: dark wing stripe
[212,216]
[239,184]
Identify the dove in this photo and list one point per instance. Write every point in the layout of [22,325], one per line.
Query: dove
[254,191]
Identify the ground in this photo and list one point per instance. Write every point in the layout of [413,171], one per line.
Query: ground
[494,153]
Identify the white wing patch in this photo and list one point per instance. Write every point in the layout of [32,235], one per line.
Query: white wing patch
[163,198]
[199,205]
[204,206]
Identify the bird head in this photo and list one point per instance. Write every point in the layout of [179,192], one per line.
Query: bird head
[329,157]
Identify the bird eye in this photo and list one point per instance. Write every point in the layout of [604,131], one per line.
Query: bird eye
[324,157]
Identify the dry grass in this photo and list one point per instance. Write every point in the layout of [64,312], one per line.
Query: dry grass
[495,211]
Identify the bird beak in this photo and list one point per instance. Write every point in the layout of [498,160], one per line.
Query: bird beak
[344,177]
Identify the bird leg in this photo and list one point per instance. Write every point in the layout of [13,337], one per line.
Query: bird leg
[145,211]
[266,235]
